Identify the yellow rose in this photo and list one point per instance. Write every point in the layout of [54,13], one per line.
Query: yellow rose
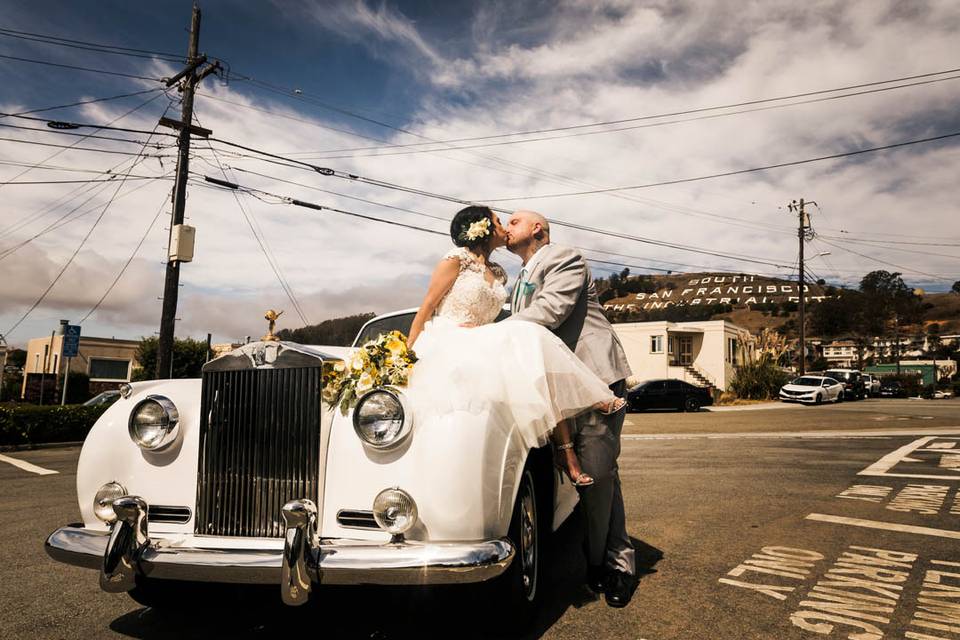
[396,347]
[365,383]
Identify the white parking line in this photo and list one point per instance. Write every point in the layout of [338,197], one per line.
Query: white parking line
[843,434]
[886,526]
[882,466]
[26,466]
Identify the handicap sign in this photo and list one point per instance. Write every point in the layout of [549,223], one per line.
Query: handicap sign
[71,341]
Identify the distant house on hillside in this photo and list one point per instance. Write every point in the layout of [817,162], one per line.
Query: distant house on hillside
[704,353]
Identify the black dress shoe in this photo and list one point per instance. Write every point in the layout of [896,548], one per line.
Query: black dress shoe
[596,578]
[619,588]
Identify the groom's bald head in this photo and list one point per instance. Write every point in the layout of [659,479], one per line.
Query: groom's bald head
[527,231]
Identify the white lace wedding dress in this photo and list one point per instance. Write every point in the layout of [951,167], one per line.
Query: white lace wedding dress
[517,370]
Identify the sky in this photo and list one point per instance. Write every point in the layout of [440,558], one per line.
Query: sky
[340,85]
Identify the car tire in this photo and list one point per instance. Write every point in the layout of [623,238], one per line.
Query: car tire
[517,592]
[819,399]
[691,404]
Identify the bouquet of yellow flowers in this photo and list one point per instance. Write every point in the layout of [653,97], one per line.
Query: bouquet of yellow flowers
[383,362]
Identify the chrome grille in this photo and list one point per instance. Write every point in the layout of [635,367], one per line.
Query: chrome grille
[259,448]
[167,513]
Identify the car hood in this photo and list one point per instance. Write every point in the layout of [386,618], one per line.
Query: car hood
[797,387]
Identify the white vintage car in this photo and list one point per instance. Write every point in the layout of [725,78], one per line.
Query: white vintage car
[247,476]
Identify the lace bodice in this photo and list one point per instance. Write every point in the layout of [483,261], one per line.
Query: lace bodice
[472,299]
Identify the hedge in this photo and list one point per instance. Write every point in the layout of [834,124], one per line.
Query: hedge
[32,424]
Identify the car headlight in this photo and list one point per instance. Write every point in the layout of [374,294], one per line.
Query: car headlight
[154,423]
[395,511]
[103,501]
[381,419]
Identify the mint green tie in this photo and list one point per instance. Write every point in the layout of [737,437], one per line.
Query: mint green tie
[516,292]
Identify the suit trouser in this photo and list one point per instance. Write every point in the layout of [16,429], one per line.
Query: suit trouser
[598,447]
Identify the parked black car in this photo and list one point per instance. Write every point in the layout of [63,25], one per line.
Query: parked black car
[892,389]
[668,394]
[853,385]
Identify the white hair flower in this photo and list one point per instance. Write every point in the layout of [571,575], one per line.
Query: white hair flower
[478,229]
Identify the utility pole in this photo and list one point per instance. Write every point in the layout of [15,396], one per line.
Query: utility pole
[190,79]
[803,230]
[3,368]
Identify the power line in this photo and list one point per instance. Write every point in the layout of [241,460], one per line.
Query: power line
[106,48]
[75,148]
[725,174]
[123,269]
[321,154]
[73,256]
[83,102]
[69,133]
[89,181]
[282,161]
[888,264]
[76,68]
[79,140]
[264,247]
[66,218]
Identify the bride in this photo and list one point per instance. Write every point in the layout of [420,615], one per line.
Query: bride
[519,369]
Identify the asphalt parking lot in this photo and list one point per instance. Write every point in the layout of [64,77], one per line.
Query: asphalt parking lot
[768,523]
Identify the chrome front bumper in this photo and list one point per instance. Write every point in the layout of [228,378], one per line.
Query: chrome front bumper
[126,552]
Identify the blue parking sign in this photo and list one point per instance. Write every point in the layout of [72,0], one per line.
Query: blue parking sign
[71,341]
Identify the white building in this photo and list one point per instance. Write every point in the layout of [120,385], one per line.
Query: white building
[705,353]
[841,353]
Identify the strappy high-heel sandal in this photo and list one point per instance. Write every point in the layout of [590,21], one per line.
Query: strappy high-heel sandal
[582,479]
[614,407]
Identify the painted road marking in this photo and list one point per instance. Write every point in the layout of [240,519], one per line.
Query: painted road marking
[883,466]
[26,466]
[886,526]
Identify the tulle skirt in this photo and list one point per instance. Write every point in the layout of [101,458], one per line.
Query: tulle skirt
[516,373]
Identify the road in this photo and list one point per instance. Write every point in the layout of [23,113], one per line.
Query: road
[749,527]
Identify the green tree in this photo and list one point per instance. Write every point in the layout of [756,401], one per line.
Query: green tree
[333,332]
[886,299]
[188,358]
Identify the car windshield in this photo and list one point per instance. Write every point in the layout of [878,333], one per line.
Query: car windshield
[807,382]
[400,322]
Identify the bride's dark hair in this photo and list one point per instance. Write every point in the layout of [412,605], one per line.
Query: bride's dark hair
[461,222]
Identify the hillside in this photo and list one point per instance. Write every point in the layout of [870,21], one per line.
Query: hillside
[751,301]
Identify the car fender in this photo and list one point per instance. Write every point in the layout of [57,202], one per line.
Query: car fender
[165,477]
[462,470]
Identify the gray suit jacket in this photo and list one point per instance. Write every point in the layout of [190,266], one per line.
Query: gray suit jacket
[562,297]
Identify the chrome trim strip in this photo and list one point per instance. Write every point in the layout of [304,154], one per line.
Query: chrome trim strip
[361,519]
[337,561]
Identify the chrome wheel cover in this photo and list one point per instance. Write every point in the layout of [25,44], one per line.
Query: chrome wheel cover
[529,549]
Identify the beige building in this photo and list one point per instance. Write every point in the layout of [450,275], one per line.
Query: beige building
[105,361]
[704,353]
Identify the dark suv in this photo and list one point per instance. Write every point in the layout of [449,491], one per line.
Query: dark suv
[668,394]
[853,385]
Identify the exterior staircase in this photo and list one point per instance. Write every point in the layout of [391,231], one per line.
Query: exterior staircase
[700,379]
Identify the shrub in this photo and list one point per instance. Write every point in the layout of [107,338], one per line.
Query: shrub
[760,380]
[31,424]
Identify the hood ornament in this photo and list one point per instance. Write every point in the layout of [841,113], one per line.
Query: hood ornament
[271,316]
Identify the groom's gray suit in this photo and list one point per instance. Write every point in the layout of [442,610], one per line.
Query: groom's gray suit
[558,292]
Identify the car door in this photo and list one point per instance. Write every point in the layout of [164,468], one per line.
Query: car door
[832,388]
[676,394]
[656,394]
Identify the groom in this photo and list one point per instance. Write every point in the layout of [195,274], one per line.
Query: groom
[555,290]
